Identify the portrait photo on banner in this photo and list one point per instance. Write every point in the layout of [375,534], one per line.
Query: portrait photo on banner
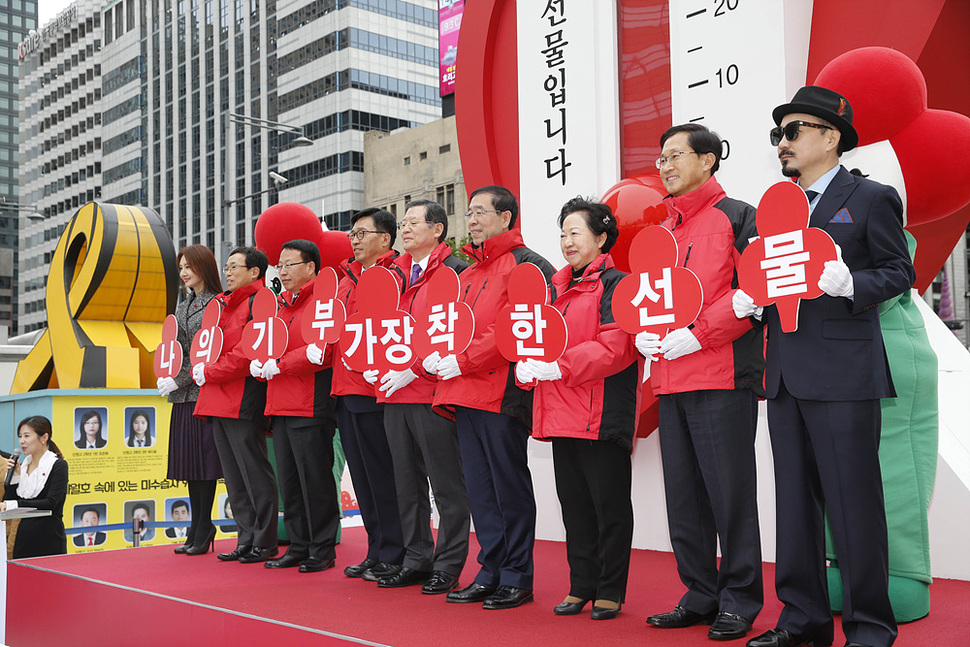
[90,427]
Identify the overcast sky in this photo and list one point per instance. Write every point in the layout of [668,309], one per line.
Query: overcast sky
[48,9]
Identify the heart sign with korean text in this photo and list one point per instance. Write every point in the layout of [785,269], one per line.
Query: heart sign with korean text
[265,336]
[784,264]
[660,294]
[378,336]
[168,354]
[207,343]
[324,319]
[447,324]
[529,327]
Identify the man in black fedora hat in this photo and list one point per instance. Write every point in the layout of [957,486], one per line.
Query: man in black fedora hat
[824,382]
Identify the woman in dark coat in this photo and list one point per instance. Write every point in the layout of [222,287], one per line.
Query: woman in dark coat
[40,481]
[192,453]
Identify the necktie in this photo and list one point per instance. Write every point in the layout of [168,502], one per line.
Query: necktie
[811,195]
[415,273]
[90,541]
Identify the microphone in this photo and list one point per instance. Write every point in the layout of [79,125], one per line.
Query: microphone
[16,458]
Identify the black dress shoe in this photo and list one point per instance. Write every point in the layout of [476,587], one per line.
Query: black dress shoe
[680,618]
[439,582]
[474,592]
[358,569]
[507,597]
[286,561]
[379,570]
[569,608]
[404,577]
[314,565]
[729,626]
[259,554]
[181,548]
[782,638]
[604,613]
[236,554]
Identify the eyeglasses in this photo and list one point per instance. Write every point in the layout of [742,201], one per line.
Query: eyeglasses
[281,267]
[478,213]
[410,223]
[673,157]
[360,233]
[790,131]
[226,269]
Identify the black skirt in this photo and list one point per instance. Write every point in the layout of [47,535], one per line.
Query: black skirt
[192,452]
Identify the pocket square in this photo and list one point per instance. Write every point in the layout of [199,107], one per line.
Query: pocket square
[842,216]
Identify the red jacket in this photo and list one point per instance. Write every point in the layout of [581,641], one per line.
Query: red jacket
[596,399]
[487,381]
[302,388]
[413,301]
[229,390]
[713,230]
[346,381]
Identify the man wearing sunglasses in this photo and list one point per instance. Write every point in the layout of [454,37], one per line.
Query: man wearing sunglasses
[824,382]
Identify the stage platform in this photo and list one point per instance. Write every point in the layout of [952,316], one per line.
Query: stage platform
[151,596]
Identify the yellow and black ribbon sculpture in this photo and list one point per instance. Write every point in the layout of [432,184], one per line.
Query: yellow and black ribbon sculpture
[112,281]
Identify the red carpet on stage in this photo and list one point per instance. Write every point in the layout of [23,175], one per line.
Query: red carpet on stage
[150,596]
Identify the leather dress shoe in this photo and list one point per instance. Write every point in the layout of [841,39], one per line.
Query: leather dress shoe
[181,548]
[569,608]
[474,592]
[236,554]
[286,561]
[729,626]
[259,554]
[315,565]
[439,582]
[782,638]
[358,569]
[680,618]
[507,597]
[604,613]
[379,570]
[404,577]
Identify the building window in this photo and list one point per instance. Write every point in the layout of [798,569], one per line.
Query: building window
[423,155]
[444,149]
[407,161]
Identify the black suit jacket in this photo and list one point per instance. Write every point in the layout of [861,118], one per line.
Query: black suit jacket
[82,443]
[837,351]
[39,536]
[99,538]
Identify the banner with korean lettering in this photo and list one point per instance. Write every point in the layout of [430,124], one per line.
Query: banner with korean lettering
[447,325]
[114,475]
[528,327]
[661,294]
[783,265]
[378,336]
[449,24]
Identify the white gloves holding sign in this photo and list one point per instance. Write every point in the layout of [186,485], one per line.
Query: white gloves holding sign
[744,306]
[836,279]
[166,385]
[396,380]
[678,343]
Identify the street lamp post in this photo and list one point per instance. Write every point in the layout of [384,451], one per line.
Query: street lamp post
[300,139]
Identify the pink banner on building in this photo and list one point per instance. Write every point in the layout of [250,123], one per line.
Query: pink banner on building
[449,23]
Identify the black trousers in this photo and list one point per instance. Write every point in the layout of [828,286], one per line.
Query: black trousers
[593,480]
[826,458]
[304,462]
[250,482]
[710,483]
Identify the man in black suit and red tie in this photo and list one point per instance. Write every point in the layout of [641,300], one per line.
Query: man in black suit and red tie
[824,382]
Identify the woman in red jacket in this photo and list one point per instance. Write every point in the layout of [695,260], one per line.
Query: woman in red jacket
[585,403]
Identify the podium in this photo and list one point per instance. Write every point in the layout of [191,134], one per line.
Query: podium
[18,513]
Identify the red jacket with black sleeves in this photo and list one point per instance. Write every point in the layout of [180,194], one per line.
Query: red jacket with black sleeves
[302,388]
[712,230]
[229,390]
[413,301]
[487,381]
[346,381]
[596,399]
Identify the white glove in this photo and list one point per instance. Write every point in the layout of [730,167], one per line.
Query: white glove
[546,371]
[314,355]
[256,368]
[396,380]
[371,375]
[523,373]
[448,367]
[198,374]
[678,343]
[648,343]
[166,385]
[270,369]
[744,306]
[836,279]
[430,362]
